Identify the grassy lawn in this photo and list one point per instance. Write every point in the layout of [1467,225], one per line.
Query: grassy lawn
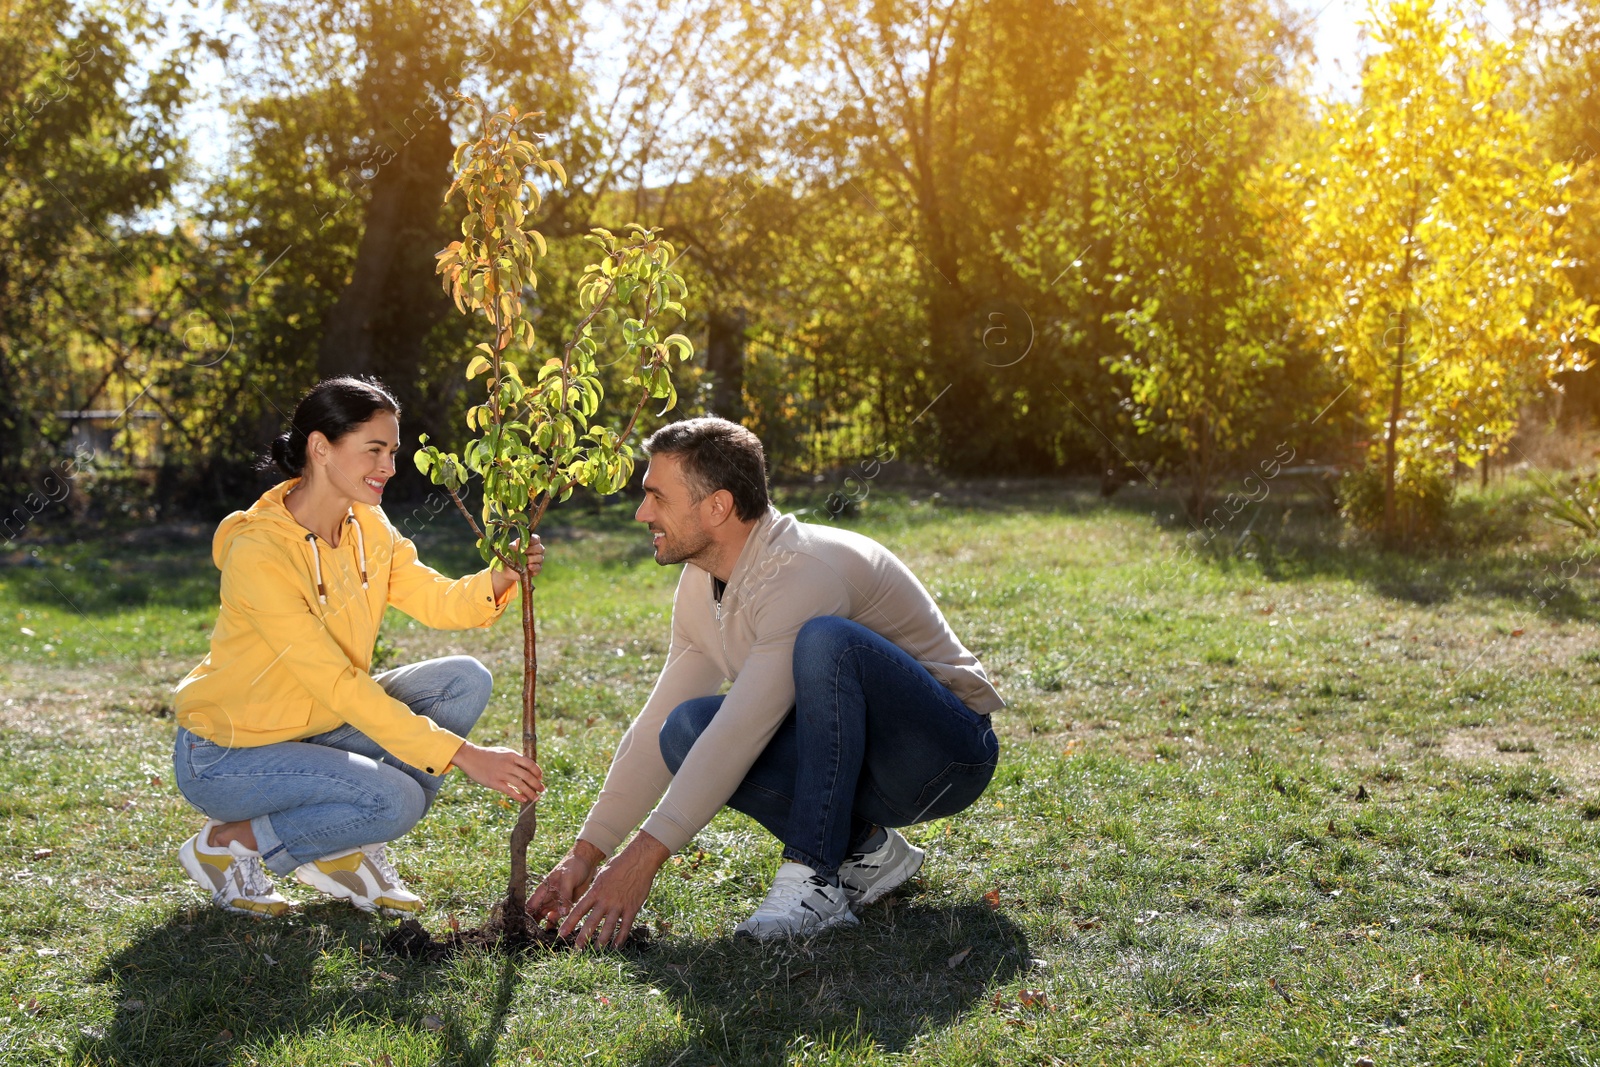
[1285,801]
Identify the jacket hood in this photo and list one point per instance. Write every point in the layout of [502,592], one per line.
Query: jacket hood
[268,512]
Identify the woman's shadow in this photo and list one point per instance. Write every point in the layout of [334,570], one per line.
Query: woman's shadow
[205,982]
[200,986]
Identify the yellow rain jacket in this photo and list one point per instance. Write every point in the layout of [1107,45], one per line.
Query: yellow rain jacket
[292,647]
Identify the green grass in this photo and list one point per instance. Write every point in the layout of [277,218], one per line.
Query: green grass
[1288,800]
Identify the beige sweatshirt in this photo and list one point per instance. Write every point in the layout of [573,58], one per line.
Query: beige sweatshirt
[788,573]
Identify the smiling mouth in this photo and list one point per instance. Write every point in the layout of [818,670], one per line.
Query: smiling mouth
[375,486]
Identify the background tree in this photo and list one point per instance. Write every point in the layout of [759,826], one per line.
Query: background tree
[1432,248]
[1168,130]
[88,107]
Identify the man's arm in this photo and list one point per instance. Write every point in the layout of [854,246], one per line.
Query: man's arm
[756,705]
[638,775]
[750,714]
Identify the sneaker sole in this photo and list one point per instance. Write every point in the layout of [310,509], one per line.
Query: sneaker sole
[846,919]
[372,906]
[905,871]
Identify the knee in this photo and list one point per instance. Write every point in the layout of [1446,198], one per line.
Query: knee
[683,728]
[822,642]
[470,687]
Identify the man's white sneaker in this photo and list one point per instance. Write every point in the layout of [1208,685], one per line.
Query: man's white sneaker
[363,876]
[869,876]
[233,875]
[799,904]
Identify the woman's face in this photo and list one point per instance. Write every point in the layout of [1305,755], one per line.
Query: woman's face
[359,464]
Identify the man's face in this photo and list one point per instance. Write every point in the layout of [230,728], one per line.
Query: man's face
[671,512]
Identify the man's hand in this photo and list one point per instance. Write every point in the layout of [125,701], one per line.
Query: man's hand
[608,909]
[502,770]
[565,882]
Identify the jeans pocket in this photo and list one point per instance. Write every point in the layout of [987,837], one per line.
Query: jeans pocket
[955,788]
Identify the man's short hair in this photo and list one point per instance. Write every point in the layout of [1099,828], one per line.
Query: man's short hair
[717,454]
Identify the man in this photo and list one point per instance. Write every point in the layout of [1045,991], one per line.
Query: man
[853,708]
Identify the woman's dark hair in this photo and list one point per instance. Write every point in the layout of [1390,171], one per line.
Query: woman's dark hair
[335,407]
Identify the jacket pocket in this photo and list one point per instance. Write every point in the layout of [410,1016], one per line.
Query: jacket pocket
[275,716]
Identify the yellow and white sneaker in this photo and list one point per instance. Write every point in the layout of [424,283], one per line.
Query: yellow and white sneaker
[233,875]
[363,876]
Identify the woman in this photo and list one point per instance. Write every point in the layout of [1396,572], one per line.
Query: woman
[301,760]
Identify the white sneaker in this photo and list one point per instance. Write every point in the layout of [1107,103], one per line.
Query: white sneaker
[233,875]
[363,876]
[800,903]
[869,876]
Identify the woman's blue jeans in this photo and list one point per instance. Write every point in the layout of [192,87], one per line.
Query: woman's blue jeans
[872,739]
[337,790]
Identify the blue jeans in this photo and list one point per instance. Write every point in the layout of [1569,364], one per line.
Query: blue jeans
[311,798]
[872,739]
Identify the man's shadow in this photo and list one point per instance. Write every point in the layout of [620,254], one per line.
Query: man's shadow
[911,968]
[196,987]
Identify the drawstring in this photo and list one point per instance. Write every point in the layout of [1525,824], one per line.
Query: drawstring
[361,547]
[361,553]
[316,558]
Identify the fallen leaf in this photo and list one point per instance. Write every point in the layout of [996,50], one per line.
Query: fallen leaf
[225,1036]
[1361,792]
[155,779]
[959,958]
[992,898]
[1365,1061]
[1514,633]
[1087,924]
[453,922]
[1034,998]
[133,1005]
[432,1022]
[33,1007]
[384,1060]
[43,853]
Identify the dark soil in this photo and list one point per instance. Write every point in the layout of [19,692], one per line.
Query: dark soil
[413,941]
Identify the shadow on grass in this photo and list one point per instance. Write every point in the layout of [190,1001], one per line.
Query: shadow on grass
[884,983]
[197,988]
[205,987]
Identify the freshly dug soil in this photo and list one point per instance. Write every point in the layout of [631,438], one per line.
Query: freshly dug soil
[413,941]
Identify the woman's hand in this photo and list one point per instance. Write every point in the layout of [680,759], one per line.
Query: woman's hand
[502,770]
[533,562]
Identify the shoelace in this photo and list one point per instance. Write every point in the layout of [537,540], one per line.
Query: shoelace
[379,855]
[252,877]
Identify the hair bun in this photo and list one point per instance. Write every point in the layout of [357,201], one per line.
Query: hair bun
[284,454]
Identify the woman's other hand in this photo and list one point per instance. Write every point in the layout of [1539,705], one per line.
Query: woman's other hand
[532,560]
[502,770]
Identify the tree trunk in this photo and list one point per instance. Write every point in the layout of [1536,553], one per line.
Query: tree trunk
[380,322]
[516,916]
[1391,439]
[725,341]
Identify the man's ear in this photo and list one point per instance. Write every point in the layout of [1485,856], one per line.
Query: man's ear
[721,507]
